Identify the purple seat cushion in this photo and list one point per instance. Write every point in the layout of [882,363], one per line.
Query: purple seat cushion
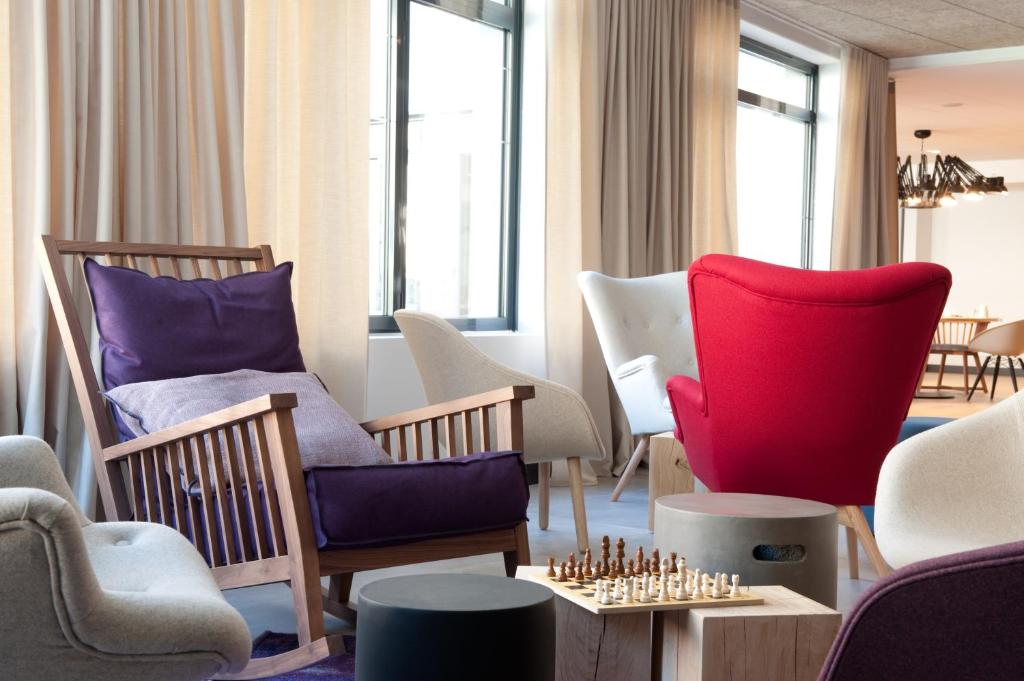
[950,618]
[361,506]
[153,328]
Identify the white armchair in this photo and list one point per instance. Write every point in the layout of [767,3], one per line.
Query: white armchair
[646,335]
[110,601]
[557,424]
[954,488]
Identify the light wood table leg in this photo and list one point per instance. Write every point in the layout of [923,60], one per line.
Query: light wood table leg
[601,647]
[669,471]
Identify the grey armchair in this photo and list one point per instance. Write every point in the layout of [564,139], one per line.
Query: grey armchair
[111,601]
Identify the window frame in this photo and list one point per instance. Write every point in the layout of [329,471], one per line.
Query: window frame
[508,17]
[807,114]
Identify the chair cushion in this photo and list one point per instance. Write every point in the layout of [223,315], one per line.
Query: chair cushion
[153,328]
[326,433]
[361,506]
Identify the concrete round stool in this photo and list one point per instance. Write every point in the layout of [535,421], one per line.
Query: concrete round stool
[765,539]
[451,626]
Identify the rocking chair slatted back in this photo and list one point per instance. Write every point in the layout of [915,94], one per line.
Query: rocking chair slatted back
[60,270]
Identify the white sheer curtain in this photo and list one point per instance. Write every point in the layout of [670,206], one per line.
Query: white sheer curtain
[864,223]
[307,172]
[641,162]
[126,126]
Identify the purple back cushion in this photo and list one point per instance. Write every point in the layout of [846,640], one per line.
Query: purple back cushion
[154,328]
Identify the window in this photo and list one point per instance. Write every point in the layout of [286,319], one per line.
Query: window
[444,159]
[775,137]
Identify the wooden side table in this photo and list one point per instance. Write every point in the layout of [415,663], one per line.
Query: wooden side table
[785,639]
[669,471]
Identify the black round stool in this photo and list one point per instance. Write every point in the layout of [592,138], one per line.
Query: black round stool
[454,627]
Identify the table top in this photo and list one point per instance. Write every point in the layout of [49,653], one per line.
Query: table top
[969,319]
[745,505]
[454,592]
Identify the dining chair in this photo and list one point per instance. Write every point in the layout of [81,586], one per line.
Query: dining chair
[953,337]
[1005,340]
[646,335]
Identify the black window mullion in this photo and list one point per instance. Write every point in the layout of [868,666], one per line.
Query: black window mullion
[401,157]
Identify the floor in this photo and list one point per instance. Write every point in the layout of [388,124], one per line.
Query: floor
[270,607]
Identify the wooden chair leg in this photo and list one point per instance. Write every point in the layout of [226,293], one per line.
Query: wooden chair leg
[521,554]
[942,369]
[634,463]
[543,493]
[853,517]
[336,597]
[851,551]
[579,509]
[967,378]
[1013,373]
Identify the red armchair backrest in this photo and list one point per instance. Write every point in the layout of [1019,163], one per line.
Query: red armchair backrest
[805,376]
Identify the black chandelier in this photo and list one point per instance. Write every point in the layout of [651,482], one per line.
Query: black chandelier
[948,175]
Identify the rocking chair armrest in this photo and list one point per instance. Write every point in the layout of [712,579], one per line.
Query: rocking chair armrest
[512,393]
[238,413]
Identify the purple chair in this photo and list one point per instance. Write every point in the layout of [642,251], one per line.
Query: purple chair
[952,618]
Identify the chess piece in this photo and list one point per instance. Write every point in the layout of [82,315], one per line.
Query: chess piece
[681,592]
[579,573]
[620,553]
[561,573]
[672,563]
[647,564]
[571,563]
[618,590]
[698,589]
[666,568]
[551,567]
[655,559]
[627,593]
[681,568]
[605,549]
[716,590]
[645,594]
[587,569]
[734,591]
[639,557]
[663,591]
[613,570]
[606,595]
[629,568]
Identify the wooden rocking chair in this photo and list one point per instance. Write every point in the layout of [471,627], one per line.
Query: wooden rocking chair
[281,546]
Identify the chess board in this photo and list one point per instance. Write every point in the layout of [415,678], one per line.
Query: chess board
[582,594]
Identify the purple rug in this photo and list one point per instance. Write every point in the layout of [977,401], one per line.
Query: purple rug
[337,668]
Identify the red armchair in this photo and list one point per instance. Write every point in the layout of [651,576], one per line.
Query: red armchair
[805,378]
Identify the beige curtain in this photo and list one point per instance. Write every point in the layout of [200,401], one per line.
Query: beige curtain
[864,223]
[306,171]
[641,162]
[125,125]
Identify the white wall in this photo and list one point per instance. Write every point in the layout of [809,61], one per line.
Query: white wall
[981,243]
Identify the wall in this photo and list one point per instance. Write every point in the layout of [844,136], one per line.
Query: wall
[981,243]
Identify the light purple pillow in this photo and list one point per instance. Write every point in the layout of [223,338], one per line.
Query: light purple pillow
[326,433]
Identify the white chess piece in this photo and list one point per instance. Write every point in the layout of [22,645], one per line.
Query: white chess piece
[735,592]
[698,590]
[666,565]
[663,593]
[716,589]
[627,594]
[606,596]
[617,594]
[680,594]
[681,567]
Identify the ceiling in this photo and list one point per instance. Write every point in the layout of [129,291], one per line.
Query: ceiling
[987,125]
[910,28]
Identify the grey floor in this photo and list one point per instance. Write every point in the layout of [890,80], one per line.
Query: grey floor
[270,607]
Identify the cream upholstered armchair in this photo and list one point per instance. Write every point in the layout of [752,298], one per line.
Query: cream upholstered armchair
[954,488]
[557,424]
[105,601]
[646,335]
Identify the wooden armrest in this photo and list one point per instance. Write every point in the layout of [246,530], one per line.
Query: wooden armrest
[437,411]
[197,426]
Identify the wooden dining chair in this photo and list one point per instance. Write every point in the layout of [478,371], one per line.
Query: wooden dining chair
[953,337]
[138,478]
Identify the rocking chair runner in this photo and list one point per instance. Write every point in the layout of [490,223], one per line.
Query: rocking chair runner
[134,476]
